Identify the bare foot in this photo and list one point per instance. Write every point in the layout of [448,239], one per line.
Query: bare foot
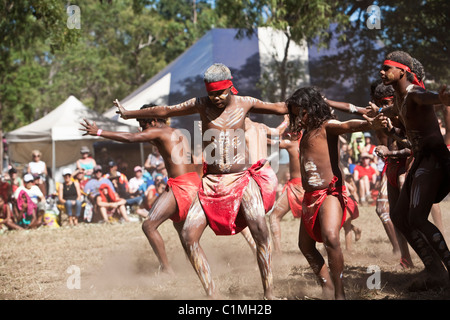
[357,232]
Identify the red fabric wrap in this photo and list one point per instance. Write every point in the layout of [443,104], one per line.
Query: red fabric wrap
[267,181]
[295,195]
[352,208]
[184,188]
[406,68]
[221,194]
[220,85]
[312,201]
[393,169]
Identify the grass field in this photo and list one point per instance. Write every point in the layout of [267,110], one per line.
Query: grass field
[115,261]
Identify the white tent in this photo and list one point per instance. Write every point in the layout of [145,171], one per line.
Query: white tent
[57,135]
[248,58]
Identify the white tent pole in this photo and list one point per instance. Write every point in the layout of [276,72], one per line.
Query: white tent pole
[53,162]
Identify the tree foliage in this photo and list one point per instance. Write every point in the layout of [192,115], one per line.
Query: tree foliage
[123,43]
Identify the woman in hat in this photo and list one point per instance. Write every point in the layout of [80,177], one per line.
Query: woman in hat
[38,169]
[86,162]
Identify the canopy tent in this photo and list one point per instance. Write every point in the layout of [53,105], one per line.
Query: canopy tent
[248,59]
[57,135]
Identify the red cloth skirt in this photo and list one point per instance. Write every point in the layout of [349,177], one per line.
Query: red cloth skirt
[312,201]
[220,196]
[184,188]
[395,167]
[295,195]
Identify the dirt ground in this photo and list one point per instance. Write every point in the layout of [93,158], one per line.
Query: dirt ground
[115,262]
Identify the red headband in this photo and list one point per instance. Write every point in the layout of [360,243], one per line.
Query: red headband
[406,68]
[220,85]
[387,98]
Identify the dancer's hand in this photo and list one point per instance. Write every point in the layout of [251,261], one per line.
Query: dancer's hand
[379,122]
[372,109]
[381,151]
[90,128]
[121,110]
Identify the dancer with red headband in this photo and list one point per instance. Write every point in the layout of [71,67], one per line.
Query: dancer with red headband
[183,183]
[233,192]
[325,199]
[428,179]
[394,170]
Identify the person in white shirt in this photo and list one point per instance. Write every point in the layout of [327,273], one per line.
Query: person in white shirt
[38,169]
[137,181]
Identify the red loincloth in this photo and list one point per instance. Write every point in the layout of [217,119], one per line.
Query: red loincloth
[352,207]
[312,202]
[394,168]
[295,194]
[221,194]
[267,181]
[184,188]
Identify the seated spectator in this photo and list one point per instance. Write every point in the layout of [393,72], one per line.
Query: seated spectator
[154,163]
[25,211]
[92,187]
[369,147]
[138,184]
[350,184]
[160,177]
[151,195]
[365,176]
[34,193]
[6,217]
[109,204]
[119,180]
[344,155]
[5,189]
[159,188]
[78,176]
[69,194]
[14,180]
[38,169]
[121,184]
[87,163]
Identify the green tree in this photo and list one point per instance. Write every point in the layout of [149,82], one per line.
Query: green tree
[299,20]
[24,27]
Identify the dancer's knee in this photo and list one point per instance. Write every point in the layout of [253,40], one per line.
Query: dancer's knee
[331,240]
[148,226]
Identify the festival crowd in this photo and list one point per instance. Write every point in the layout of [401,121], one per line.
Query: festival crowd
[90,193]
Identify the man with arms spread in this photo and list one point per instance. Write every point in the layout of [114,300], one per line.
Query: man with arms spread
[232,192]
[183,182]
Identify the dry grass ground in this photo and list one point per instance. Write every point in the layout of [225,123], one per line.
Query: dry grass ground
[116,262]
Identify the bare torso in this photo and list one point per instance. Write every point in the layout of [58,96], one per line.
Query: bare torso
[224,145]
[319,168]
[420,121]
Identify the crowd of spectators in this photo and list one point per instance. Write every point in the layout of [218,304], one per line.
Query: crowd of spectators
[96,191]
[361,167]
[90,193]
